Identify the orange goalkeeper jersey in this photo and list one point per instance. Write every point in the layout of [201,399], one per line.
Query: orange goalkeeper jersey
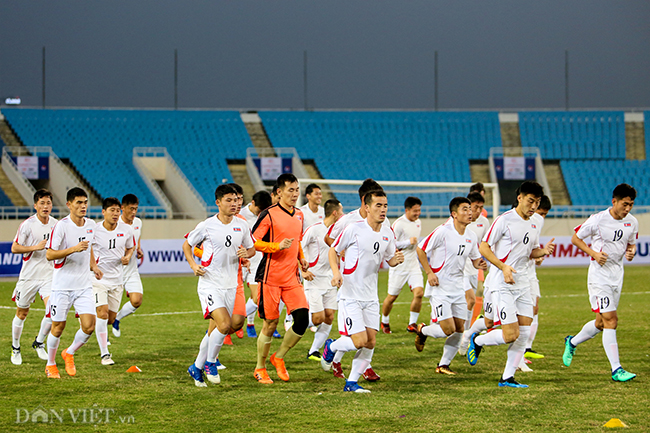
[273,225]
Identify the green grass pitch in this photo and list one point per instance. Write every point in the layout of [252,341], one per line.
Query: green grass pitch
[410,397]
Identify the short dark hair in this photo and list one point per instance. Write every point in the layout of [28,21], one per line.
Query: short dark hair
[367,186]
[412,201]
[284,179]
[310,188]
[331,205]
[477,187]
[545,203]
[367,198]
[456,202]
[222,190]
[74,193]
[238,188]
[624,190]
[42,193]
[262,199]
[130,199]
[475,197]
[531,187]
[274,189]
[110,201]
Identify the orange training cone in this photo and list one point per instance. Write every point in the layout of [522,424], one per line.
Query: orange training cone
[478,308]
[134,369]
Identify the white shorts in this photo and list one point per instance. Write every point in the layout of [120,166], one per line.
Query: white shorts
[108,295]
[508,304]
[26,290]
[355,316]
[133,284]
[212,298]
[62,300]
[444,306]
[249,277]
[488,305]
[470,282]
[534,290]
[321,299]
[397,279]
[604,298]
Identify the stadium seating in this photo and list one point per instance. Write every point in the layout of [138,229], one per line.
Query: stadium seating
[100,144]
[4,200]
[574,135]
[413,146]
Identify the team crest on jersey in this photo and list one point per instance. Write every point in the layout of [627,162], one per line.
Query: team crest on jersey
[120,235]
[479,225]
[627,224]
[533,226]
[89,230]
[236,229]
[385,238]
[469,241]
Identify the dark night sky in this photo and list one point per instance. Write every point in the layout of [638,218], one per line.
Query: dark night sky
[362,54]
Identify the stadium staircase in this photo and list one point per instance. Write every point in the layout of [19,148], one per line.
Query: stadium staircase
[634,137]
[9,195]
[260,140]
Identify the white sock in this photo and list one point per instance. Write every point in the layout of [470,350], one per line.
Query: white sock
[587,332]
[492,338]
[343,344]
[251,308]
[468,322]
[320,336]
[434,330]
[452,343]
[413,316]
[280,307]
[385,319]
[360,363]
[288,318]
[101,331]
[126,310]
[478,326]
[516,352]
[52,347]
[203,352]
[215,342]
[611,347]
[46,326]
[338,356]
[16,331]
[80,338]
[533,332]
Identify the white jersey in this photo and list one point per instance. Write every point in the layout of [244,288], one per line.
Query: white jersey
[365,250]
[447,251]
[610,236]
[310,217]
[512,239]
[247,213]
[30,233]
[337,228]
[220,244]
[480,228]
[72,271]
[251,219]
[317,254]
[404,230]
[136,230]
[108,248]
[532,267]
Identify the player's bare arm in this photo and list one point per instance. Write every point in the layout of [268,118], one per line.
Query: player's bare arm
[245,253]
[16,248]
[308,275]
[286,243]
[51,254]
[197,269]
[139,252]
[127,256]
[487,252]
[543,252]
[630,251]
[337,278]
[432,278]
[93,266]
[397,259]
[329,241]
[480,264]
[599,257]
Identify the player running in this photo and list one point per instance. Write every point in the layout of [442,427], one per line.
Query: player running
[226,239]
[366,245]
[613,234]
[320,293]
[312,211]
[71,251]
[132,282]
[35,275]
[113,246]
[407,229]
[513,239]
[443,255]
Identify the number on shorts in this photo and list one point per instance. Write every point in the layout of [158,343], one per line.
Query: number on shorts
[461,250]
[604,302]
[348,322]
[488,307]
[376,247]
[618,234]
[503,315]
[439,310]
[96,298]
[53,310]
[210,300]
[17,296]
[526,239]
